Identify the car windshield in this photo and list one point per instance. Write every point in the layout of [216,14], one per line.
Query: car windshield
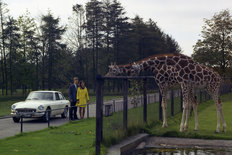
[40,96]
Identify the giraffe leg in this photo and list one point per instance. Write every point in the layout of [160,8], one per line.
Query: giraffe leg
[218,106]
[164,108]
[221,114]
[188,108]
[195,114]
[185,91]
[183,114]
[182,120]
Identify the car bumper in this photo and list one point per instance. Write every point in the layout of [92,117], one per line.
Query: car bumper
[28,115]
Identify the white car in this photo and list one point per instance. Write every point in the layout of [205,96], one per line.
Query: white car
[42,104]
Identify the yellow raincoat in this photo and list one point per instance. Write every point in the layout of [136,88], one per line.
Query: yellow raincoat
[82,96]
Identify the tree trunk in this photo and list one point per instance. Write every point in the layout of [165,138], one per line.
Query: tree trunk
[43,66]
[3,75]
[93,57]
[11,77]
[37,72]
[50,62]
[4,53]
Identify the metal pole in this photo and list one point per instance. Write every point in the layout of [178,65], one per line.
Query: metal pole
[200,96]
[145,100]
[21,122]
[172,102]
[114,104]
[99,115]
[160,106]
[125,102]
[87,110]
[69,109]
[181,101]
[48,113]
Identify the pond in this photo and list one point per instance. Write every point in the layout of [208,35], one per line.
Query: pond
[155,151]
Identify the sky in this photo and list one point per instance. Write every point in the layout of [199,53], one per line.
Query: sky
[182,19]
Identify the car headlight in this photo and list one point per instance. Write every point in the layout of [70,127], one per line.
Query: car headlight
[40,107]
[13,107]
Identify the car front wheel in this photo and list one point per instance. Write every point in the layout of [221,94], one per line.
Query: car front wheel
[65,113]
[16,119]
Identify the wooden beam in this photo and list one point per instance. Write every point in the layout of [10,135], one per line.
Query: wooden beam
[99,113]
[125,102]
[145,100]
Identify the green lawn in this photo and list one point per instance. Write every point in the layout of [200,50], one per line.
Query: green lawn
[113,125]
[7,101]
[73,138]
[78,137]
[207,122]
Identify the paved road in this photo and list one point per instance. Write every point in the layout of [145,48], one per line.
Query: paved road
[9,128]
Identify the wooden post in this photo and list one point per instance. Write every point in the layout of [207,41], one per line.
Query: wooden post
[205,95]
[114,105]
[172,102]
[145,100]
[125,101]
[160,106]
[200,96]
[21,122]
[87,110]
[181,101]
[99,113]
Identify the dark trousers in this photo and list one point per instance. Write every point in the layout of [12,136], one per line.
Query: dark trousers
[73,111]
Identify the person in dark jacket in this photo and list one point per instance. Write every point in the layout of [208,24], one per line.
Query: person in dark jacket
[72,93]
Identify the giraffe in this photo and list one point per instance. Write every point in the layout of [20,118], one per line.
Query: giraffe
[165,77]
[163,83]
[171,69]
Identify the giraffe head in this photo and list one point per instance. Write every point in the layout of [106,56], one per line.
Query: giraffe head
[114,70]
[136,69]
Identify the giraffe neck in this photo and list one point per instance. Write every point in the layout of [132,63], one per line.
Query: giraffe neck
[125,69]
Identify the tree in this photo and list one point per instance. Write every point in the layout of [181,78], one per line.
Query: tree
[27,28]
[12,43]
[75,39]
[3,12]
[94,27]
[214,49]
[118,22]
[52,34]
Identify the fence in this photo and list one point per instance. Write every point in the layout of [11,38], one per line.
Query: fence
[125,116]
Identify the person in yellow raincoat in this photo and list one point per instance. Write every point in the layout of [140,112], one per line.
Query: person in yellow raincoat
[82,99]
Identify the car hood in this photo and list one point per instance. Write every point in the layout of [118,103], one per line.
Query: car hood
[31,104]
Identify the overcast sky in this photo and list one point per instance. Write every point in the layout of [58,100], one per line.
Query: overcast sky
[182,19]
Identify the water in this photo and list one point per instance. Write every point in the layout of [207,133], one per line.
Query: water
[182,152]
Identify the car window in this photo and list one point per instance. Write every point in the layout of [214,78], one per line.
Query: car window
[57,96]
[61,96]
[40,96]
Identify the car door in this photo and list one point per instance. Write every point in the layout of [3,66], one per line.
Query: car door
[58,104]
[63,102]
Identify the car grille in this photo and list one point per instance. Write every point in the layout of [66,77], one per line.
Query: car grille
[25,110]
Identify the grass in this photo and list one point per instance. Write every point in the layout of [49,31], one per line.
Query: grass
[73,138]
[7,101]
[113,126]
[78,137]
[207,122]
